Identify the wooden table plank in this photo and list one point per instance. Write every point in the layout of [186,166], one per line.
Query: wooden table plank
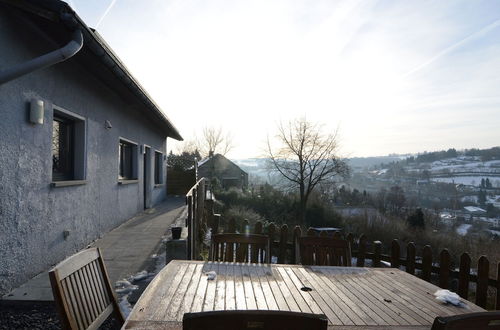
[257,288]
[407,297]
[247,284]
[266,289]
[230,288]
[327,296]
[394,302]
[352,298]
[220,293]
[361,293]
[356,314]
[281,302]
[239,288]
[159,302]
[187,302]
[287,295]
[199,296]
[209,303]
[369,316]
[315,294]
[305,294]
[170,313]
[290,286]
[417,292]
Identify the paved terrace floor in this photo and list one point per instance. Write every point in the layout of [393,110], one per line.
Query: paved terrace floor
[127,249]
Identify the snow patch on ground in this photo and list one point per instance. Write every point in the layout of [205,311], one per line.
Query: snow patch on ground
[125,287]
[463,229]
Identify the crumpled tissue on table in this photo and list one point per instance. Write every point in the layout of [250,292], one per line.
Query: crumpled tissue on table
[211,275]
[448,297]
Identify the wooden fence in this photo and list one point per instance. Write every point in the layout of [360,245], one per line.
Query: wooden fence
[440,271]
[195,200]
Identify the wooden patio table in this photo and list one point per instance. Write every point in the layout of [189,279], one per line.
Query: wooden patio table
[351,297]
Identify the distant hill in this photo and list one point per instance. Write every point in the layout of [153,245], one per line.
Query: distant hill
[364,162]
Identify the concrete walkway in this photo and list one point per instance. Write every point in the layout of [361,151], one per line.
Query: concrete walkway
[127,249]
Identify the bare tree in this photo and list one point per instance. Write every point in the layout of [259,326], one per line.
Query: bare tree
[215,140]
[306,156]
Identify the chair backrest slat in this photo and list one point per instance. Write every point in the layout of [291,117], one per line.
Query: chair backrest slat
[240,248]
[324,251]
[82,292]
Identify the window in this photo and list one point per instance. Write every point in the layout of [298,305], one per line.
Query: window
[127,155]
[68,146]
[158,167]
[62,149]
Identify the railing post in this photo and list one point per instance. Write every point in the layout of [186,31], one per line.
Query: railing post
[360,257]
[258,231]
[215,223]
[271,232]
[410,258]
[377,252]
[189,201]
[464,276]
[444,268]
[427,263]
[395,253]
[283,244]
[245,227]
[483,267]
[258,228]
[194,227]
[297,232]
[231,226]
[497,302]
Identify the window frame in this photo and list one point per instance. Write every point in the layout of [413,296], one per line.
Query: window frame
[75,158]
[158,168]
[132,175]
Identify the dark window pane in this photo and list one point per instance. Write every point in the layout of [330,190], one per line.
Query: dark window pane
[126,160]
[158,168]
[62,149]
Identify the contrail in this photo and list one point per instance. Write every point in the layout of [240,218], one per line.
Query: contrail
[479,33]
[105,12]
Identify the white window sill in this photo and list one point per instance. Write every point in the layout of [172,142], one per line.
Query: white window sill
[158,185]
[122,182]
[57,184]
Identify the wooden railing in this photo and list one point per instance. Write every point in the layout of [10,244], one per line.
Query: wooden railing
[370,253]
[195,200]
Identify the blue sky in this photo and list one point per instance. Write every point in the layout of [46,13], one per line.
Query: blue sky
[392,76]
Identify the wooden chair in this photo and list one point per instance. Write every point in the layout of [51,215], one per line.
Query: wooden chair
[253,319]
[240,248]
[470,321]
[323,251]
[82,292]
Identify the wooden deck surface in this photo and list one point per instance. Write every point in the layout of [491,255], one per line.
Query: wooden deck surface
[351,298]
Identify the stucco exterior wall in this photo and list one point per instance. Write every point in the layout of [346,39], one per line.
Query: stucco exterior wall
[34,215]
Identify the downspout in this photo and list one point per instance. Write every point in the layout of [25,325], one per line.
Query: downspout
[49,59]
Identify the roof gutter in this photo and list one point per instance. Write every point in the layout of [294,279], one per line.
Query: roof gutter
[43,61]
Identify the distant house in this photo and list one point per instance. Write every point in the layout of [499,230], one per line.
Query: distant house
[82,145]
[225,171]
[474,210]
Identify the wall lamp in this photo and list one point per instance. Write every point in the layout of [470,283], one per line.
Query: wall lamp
[36,112]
